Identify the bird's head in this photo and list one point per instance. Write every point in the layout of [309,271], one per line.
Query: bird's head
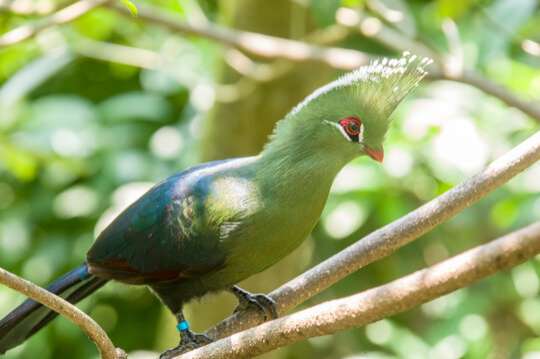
[351,115]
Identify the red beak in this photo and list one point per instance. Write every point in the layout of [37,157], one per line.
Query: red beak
[376,154]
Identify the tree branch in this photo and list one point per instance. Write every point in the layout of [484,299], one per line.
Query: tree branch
[26,9]
[270,47]
[495,90]
[380,302]
[66,309]
[263,46]
[397,41]
[391,237]
[63,16]
[389,37]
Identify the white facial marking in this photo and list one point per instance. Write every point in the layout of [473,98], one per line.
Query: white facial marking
[344,133]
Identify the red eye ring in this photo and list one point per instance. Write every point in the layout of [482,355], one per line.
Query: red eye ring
[351,125]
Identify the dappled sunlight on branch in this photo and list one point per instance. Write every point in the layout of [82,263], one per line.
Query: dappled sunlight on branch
[380,302]
[63,16]
[66,309]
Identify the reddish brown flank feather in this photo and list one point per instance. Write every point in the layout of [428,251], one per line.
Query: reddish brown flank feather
[120,269]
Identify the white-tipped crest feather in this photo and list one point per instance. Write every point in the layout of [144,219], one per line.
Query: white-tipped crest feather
[371,92]
[381,85]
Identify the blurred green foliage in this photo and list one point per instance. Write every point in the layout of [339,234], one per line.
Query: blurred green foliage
[81,137]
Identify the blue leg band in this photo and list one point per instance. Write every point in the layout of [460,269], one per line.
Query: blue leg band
[83,273]
[182,326]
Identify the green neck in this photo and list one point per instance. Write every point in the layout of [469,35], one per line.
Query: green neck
[298,169]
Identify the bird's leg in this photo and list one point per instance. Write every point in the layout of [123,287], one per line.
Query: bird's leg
[261,302]
[188,339]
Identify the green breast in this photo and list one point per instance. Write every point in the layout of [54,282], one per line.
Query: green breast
[269,222]
[264,210]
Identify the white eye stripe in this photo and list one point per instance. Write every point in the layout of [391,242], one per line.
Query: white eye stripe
[361,134]
[341,129]
[344,133]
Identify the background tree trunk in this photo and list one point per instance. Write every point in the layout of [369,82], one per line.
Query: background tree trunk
[242,127]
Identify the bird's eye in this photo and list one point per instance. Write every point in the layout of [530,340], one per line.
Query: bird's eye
[352,126]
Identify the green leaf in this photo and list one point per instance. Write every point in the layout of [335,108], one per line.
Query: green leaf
[453,9]
[131,7]
[352,3]
[19,163]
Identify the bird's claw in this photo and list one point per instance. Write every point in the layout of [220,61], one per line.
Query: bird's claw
[261,302]
[188,342]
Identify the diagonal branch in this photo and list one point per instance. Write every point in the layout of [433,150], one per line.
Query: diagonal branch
[63,16]
[483,84]
[391,237]
[66,309]
[380,302]
[260,45]
[397,41]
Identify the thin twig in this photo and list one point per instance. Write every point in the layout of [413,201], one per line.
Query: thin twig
[26,8]
[384,12]
[148,59]
[66,309]
[63,16]
[391,237]
[262,72]
[122,54]
[263,46]
[380,302]
[375,29]
[476,80]
[33,74]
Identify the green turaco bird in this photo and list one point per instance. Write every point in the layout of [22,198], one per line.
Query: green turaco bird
[207,228]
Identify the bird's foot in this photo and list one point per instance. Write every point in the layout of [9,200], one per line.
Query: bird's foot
[260,302]
[188,342]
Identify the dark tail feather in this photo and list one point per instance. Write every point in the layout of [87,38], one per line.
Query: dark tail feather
[30,316]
